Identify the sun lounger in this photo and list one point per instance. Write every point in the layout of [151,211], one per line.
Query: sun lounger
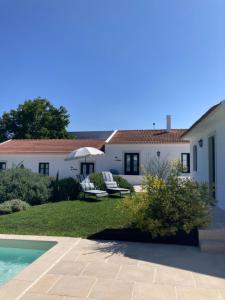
[112,186]
[88,188]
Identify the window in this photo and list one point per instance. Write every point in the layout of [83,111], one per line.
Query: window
[2,165]
[195,158]
[131,163]
[87,168]
[44,168]
[185,162]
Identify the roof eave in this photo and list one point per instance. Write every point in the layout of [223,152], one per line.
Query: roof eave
[189,133]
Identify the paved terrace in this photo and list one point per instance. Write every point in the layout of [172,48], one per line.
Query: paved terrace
[78,269]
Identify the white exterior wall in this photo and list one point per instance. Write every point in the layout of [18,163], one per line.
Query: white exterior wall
[56,163]
[114,157]
[102,163]
[214,127]
[202,172]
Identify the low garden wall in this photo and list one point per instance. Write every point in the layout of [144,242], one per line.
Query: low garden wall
[133,179]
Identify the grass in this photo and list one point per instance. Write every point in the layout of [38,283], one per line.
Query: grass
[67,218]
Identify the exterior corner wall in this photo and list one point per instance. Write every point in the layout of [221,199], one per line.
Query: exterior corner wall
[216,129]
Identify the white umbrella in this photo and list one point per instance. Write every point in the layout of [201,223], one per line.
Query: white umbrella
[83,153]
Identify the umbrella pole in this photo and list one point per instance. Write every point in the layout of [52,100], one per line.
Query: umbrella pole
[85,160]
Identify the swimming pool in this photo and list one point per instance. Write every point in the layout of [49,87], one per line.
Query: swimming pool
[15,255]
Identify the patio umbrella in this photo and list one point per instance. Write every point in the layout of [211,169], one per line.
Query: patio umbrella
[83,153]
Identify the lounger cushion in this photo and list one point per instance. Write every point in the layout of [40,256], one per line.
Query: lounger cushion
[86,185]
[111,184]
[107,176]
[81,178]
[118,189]
[97,193]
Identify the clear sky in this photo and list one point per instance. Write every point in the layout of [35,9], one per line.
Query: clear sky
[114,64]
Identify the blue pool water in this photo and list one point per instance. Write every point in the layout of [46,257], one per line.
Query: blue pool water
[17,255]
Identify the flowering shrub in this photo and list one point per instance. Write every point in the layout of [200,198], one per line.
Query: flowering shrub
[168,206]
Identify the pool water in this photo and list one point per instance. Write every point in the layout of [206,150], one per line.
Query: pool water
[17,255]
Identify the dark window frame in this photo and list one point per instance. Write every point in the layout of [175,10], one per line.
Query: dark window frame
[131,165]
[1,164]
[86,163]
[188,162]
[212,164]
[195,158]
[45,168]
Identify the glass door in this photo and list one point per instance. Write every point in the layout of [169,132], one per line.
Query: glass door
[87,168]
[131,163]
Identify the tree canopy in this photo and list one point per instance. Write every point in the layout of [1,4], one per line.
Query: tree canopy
[34,119]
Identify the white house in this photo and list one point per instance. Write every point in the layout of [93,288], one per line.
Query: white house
[129,151]
[46,156]
[126,152]
[207,136]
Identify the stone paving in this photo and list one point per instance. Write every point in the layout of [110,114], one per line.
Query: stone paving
[131,271]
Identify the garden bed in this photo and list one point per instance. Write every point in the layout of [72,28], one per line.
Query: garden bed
[136,235]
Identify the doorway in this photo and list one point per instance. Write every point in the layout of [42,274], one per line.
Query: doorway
[131,164]
[87,168]
[212,165]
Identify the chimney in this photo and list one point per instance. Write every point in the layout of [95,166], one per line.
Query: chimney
[168,122]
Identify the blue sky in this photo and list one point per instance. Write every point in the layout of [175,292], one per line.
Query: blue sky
[114,64]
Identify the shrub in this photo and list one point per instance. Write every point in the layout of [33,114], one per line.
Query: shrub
[12,206]
[163,168]
[17,183]
[169,206]
[123,183]
[65,189]
[98,181]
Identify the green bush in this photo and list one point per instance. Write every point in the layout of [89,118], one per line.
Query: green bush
[17,183]
[98,181]
[123,183]
[169,206]
[12,206]
[65,189]
[163,168]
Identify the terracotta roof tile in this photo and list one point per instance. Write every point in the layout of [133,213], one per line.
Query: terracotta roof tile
[159,136]
[47,146]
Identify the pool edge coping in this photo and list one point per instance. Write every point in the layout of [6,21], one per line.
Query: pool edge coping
[28,277]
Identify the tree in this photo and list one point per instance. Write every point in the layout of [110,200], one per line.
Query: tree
[34,119]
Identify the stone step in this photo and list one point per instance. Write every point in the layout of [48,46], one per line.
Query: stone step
[211,234]
[212,246]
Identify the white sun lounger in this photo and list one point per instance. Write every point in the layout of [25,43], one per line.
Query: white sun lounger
[88,188]
[112,186]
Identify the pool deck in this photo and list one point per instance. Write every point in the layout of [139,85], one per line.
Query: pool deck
[78,269]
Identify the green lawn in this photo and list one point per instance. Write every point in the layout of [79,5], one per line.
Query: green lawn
[67,218]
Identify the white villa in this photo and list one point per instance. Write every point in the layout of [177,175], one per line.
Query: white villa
[126,152]
[207,136]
